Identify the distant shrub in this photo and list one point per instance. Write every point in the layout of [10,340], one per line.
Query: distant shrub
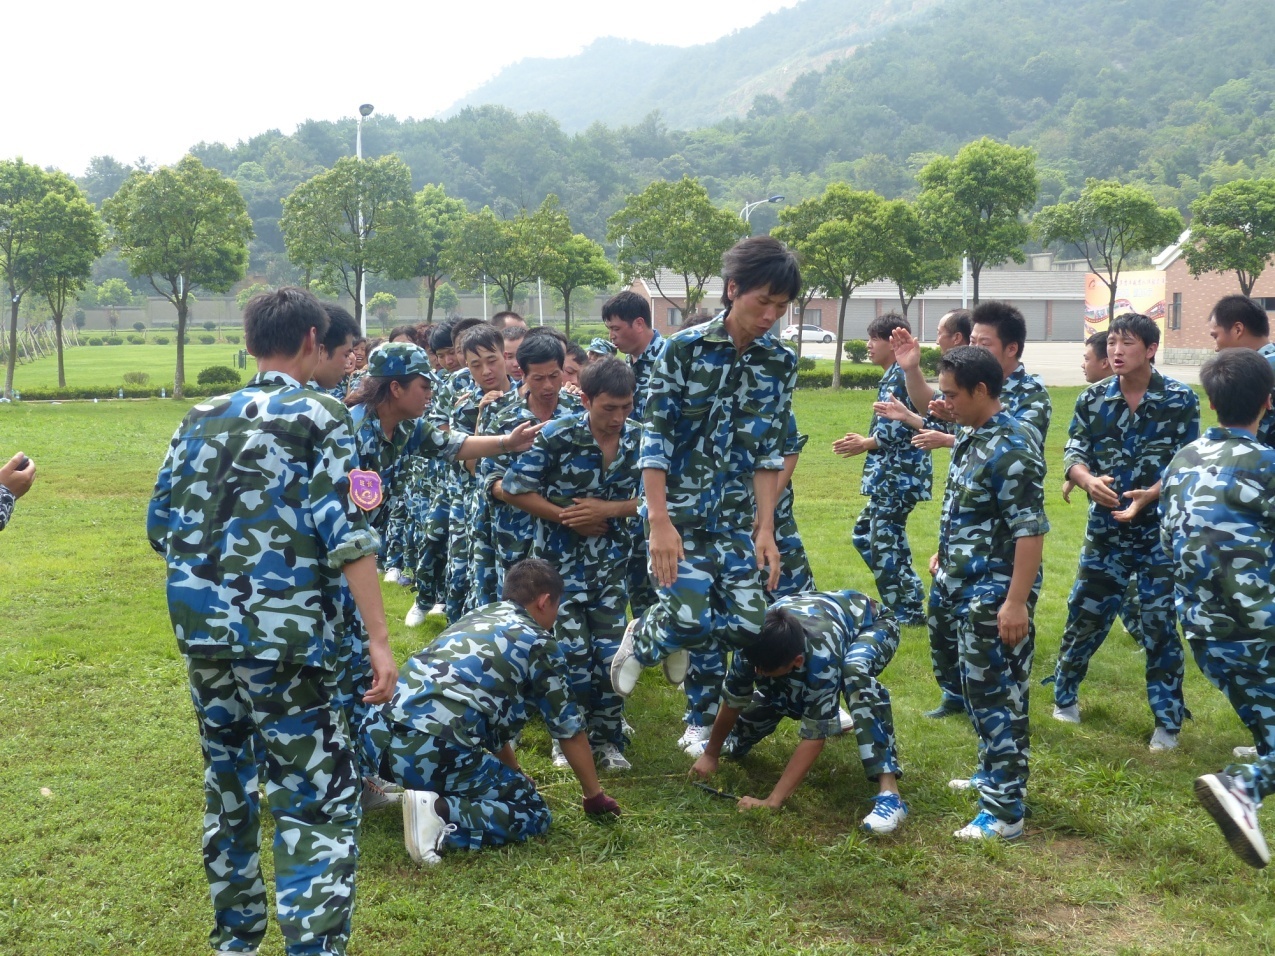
[136,340]
[96,341]
[856,350]
[806,364]
[139,327]
[208,339]
[210,326]
[218,375]
[136,378]
[185,340]
[859,378]
[232,339]
[115,340]
[161,340]
[582,335]
[930,359]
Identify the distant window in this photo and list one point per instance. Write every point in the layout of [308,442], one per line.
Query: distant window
[1175,312]
[674,317]
[813,317]
[1268,303]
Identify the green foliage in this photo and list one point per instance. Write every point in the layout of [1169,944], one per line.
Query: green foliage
[139,327]
[1233,230]
[210,326]
[508,252]
[436,217]
[207,339]
[445,299]
[577,263]
[806,364]
[930,359]
[219,375]
[856,350]
[674,226]
[383,305]
[160,339]
[853,378]
[582,335]
[136,340]
[114,340]
[233,339]
[95,341]
[912,252]
[136,378]
[248,292]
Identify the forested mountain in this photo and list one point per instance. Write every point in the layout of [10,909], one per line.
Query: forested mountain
[618,82]
[1173,93]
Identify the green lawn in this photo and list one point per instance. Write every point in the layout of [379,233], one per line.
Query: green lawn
[106,364]
[100,774]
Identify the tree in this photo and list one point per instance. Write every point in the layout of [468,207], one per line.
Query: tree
[321,224]
[578,263]
[383,305]
[249,292]
[76,238]
[674,226]
[977,199]
[181,227]
[1233,230]
[112,294]
[436,217]
[508,252]
[912,256]
[446,299]
[26,215]
[1108,223]
[103,178]
[836,236]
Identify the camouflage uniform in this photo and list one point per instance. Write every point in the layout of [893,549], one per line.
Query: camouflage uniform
[796,576]
[641,590]
[1266,427]
[1219,528]
[462,420]
[1134,448]
[484,587]
[430,573]
[462,699]
[714,417]
[995,495]
[6,506]
[896,478]
[566,463]
[850,639]
[251,514]
[1025,398]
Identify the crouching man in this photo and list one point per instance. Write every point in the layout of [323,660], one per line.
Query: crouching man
[814,648]
[446,736]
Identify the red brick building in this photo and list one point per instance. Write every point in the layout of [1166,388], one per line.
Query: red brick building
[1189,301]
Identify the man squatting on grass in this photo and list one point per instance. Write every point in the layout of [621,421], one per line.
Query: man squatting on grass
[447,734]
[1219,529]
[987,571]
[814,648]
[712,448]
[251,511]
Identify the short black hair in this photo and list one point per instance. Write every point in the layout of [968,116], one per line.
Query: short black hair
[627,306]
[540,347]
[275,324]
[972,365]
[440,336]
[1098,342]
[1240,308]
[883,325]
[341,326]
[501,319]
[1238,383]
[961,322]
[760,262]
[374,390]
[482,336]
[1141,327]
[528,579]
[783,637]
[514,333]
[1010,326]
[610,376]
[461,326]
[407,330]
[577,352]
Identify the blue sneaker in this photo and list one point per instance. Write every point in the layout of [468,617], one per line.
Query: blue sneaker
[888,811]
[987,827]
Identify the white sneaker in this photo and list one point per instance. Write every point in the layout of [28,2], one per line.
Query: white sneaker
[374,798]
[1163,740]
[1244,753]
[415,616]
[625,668]
[888,811]
[960,784]
[845,721]
[439,608]
[987,827]
[559,758]
[393,576]
[1229,804]
[675,667]
[610,758]
[694,740]
[423,829]
[1067,715]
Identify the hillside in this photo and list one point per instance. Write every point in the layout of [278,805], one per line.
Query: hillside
[617,82]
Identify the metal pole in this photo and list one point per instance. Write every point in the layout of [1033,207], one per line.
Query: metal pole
[540,298]
[358,154]
[965,274]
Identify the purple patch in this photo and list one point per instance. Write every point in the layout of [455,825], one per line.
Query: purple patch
[365,489]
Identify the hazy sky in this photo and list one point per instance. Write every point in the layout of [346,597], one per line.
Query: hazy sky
[148,78]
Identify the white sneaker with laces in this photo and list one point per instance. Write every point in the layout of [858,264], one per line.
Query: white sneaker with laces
[439,608]
[1163,740]
[625,667]
[559,758]
[393,576]
[610,758]
[888,811]
[960,784]
[987,827]
[1227,800]
[1067,715]
[1244,753]
[694,740]
[415,616]
[423,829]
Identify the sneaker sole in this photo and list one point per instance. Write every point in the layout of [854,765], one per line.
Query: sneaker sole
[409,831]
[1212,796]
[675,667]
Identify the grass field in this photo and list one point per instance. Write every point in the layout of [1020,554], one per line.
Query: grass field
[107,364]
[100,774]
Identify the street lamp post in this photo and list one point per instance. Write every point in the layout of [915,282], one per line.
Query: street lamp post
[364,110]
[747,212]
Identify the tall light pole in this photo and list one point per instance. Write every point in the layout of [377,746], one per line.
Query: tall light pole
[364,110]
[747,212]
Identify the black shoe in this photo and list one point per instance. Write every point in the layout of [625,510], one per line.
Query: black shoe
[948,708]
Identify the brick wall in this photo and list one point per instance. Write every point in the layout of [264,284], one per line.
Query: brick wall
[1191,342]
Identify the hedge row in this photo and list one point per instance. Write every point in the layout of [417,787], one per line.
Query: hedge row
[851,377]
[51,393]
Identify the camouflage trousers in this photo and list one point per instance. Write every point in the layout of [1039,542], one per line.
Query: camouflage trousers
[945,651]
[718,602]
[641,589]
[795,576]
[866,698]
[1108,561]
[995,685]
[1245,672]
[394,535]
[353,678]
[457,553]
[312,786]
[489,803]
[705,670]
[431,552]
[589,629]
[484,587]
[881,537]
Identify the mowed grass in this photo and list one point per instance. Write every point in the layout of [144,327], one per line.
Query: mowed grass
[92,365]
[1118,858]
